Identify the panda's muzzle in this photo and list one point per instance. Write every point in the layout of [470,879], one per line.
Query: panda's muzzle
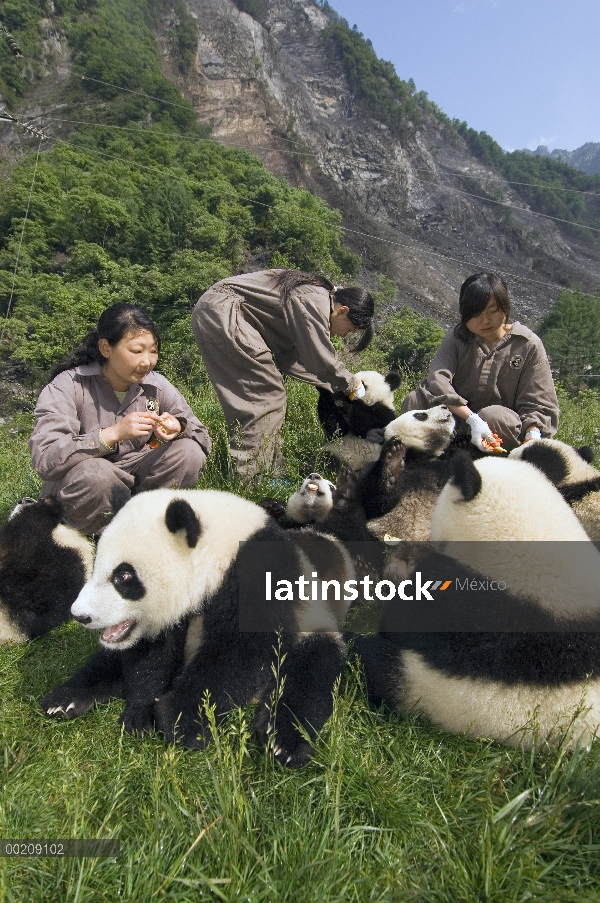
[83,619]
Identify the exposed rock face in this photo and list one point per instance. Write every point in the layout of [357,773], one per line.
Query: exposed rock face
[268,86]
[586,158]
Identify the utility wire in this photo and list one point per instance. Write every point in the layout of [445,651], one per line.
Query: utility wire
[416,244]
[12,291]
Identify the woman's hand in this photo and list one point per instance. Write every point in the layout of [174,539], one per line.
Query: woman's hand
[168,427]
[133,425]
[480,431]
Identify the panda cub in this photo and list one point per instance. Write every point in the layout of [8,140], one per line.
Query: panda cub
[572,473]
[312,503]
[349,422]
[400,489]
[514,665]
[165,594]
[43,566]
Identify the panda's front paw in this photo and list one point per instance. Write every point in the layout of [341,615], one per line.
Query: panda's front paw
[346,487]
[273,507]
[67,702]
[283,738]
[182,726]
[138,719]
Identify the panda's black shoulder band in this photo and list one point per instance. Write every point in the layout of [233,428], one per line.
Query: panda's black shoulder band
[181,516]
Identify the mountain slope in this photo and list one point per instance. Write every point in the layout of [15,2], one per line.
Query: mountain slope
[284,79]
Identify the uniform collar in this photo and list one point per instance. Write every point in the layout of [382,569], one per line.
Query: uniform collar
[133,392]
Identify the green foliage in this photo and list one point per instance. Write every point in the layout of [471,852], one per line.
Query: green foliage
[404,341]
[378,90]
[149,219]
[184,34]
[571,334]
[20,19]
[547,180]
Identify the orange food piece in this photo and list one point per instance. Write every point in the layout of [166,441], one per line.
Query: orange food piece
[494,448]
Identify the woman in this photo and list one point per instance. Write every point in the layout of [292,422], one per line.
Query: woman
[107,426]
[493,375]
[253,327]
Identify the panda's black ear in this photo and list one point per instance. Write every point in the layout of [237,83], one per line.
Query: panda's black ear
[547,458]
[181,516]
[393,380]
[587,453]
[466,476]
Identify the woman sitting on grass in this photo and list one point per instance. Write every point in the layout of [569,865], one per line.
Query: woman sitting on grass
[493,375]
[108,427]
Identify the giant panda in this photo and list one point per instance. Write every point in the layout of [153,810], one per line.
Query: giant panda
[335,512]
[353,425]
[165,595]
[43,566]
[536,677]
[400,489]
[573,474]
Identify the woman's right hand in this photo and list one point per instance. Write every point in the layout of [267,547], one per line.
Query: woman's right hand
[133,425]
[480,431]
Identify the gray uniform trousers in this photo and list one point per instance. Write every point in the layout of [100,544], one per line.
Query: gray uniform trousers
[502,421]
[89,489]
[247,382]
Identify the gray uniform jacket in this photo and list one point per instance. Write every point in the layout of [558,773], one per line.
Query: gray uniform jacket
[295,331]
[515,374]
[78,403]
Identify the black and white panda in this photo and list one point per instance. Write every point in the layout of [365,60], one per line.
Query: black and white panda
[512,665]
[165,594]
[348,422]
[43,566]
[572,472]
[400,489]
[313,502]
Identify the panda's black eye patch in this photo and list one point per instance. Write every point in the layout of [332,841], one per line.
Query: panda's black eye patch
[420,415]
[125,580]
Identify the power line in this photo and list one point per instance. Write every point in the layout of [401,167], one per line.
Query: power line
[416,244]
[12,290]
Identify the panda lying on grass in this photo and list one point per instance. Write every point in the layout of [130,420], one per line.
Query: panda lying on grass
[164,593]
[488,682]
[43,566]
[399,491]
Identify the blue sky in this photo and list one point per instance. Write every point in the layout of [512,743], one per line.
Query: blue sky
[525,71]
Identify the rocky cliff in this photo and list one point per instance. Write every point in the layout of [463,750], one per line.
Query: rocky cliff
[280,89]
[417,205]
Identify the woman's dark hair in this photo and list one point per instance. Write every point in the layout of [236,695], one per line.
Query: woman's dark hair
[114,324]
[474,297]
[360,303]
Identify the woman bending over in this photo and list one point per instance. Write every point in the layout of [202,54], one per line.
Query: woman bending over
[252,328]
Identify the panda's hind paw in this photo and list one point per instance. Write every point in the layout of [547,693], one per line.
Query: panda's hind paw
[181,728]
[282,739]
[138,719]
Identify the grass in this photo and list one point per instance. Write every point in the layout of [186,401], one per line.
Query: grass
[390,808]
